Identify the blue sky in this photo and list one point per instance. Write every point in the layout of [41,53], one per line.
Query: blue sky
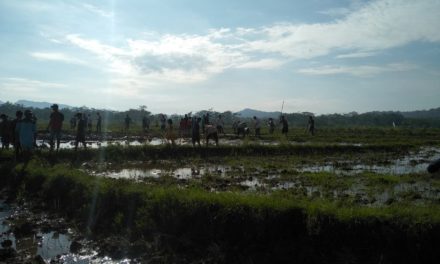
[176,56]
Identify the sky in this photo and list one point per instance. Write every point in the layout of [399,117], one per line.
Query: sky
[177,56]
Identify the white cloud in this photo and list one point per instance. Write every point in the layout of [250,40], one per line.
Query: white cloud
[54,56]
[265,64]
[359,71]
[98,11]
[377,26]
[364,31]
[361,54]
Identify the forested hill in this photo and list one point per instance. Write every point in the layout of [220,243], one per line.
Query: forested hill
[431,114]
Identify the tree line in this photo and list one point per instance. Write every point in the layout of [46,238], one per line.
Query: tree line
[370,119]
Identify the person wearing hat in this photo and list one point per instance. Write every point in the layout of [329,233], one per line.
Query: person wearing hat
[55,125]
[26,132]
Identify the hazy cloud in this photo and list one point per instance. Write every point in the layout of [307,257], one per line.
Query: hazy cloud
[54,56]
[356,55]
[17,85]
[335,12]
[359,71]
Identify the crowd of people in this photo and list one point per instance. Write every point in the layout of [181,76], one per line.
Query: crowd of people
[21,132]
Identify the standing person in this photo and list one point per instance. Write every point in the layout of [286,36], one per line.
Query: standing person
[242,128]
[127,122]
[257,126]
[163,122]
[81,131]
[73,123]
[55,125]
[26,130]
[182,127]
[195,135]
[220,125]
[169,134]
[211,132]
[186,126]
[145,124]
[35,119]
[271,125]
[15,137]
[5,131]
[207,119]
[98,123]
[311,125]
[285,126]
[89,123]
[203,123]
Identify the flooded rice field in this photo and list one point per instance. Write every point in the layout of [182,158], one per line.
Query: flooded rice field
[95,144]
[413,162]
[336,179]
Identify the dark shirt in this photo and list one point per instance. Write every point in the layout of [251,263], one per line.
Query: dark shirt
[196,128]
[81,127]
[56,121]
[285,124]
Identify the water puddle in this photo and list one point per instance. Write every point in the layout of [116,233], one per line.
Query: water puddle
[252,183]
[181,173]
[416,162]
[53,246]
[95,142]
[70,144]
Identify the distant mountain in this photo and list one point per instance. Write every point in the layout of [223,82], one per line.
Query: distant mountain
[34,104]
[430,114]
[247,112]
[1,102]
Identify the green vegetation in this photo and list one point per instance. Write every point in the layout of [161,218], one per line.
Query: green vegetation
[290,215]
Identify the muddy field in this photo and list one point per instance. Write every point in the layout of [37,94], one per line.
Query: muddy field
[123,199]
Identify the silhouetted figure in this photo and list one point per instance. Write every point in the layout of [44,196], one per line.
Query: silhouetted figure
[220,124]
[257,126]
[145,124]
[35,119]
[211,132]
[195,135]
[89,123]
[169,134]
[243,129]
[5,131]
[163,121]
[55,125]
[26,130]
[207,119]
[203,123]
[235,126]
[271,125]
[285,126]
[127,122]
[98,123]
[73,123]
[311,125]
[15,136]
[186,126]
[80,131]
[434,166]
